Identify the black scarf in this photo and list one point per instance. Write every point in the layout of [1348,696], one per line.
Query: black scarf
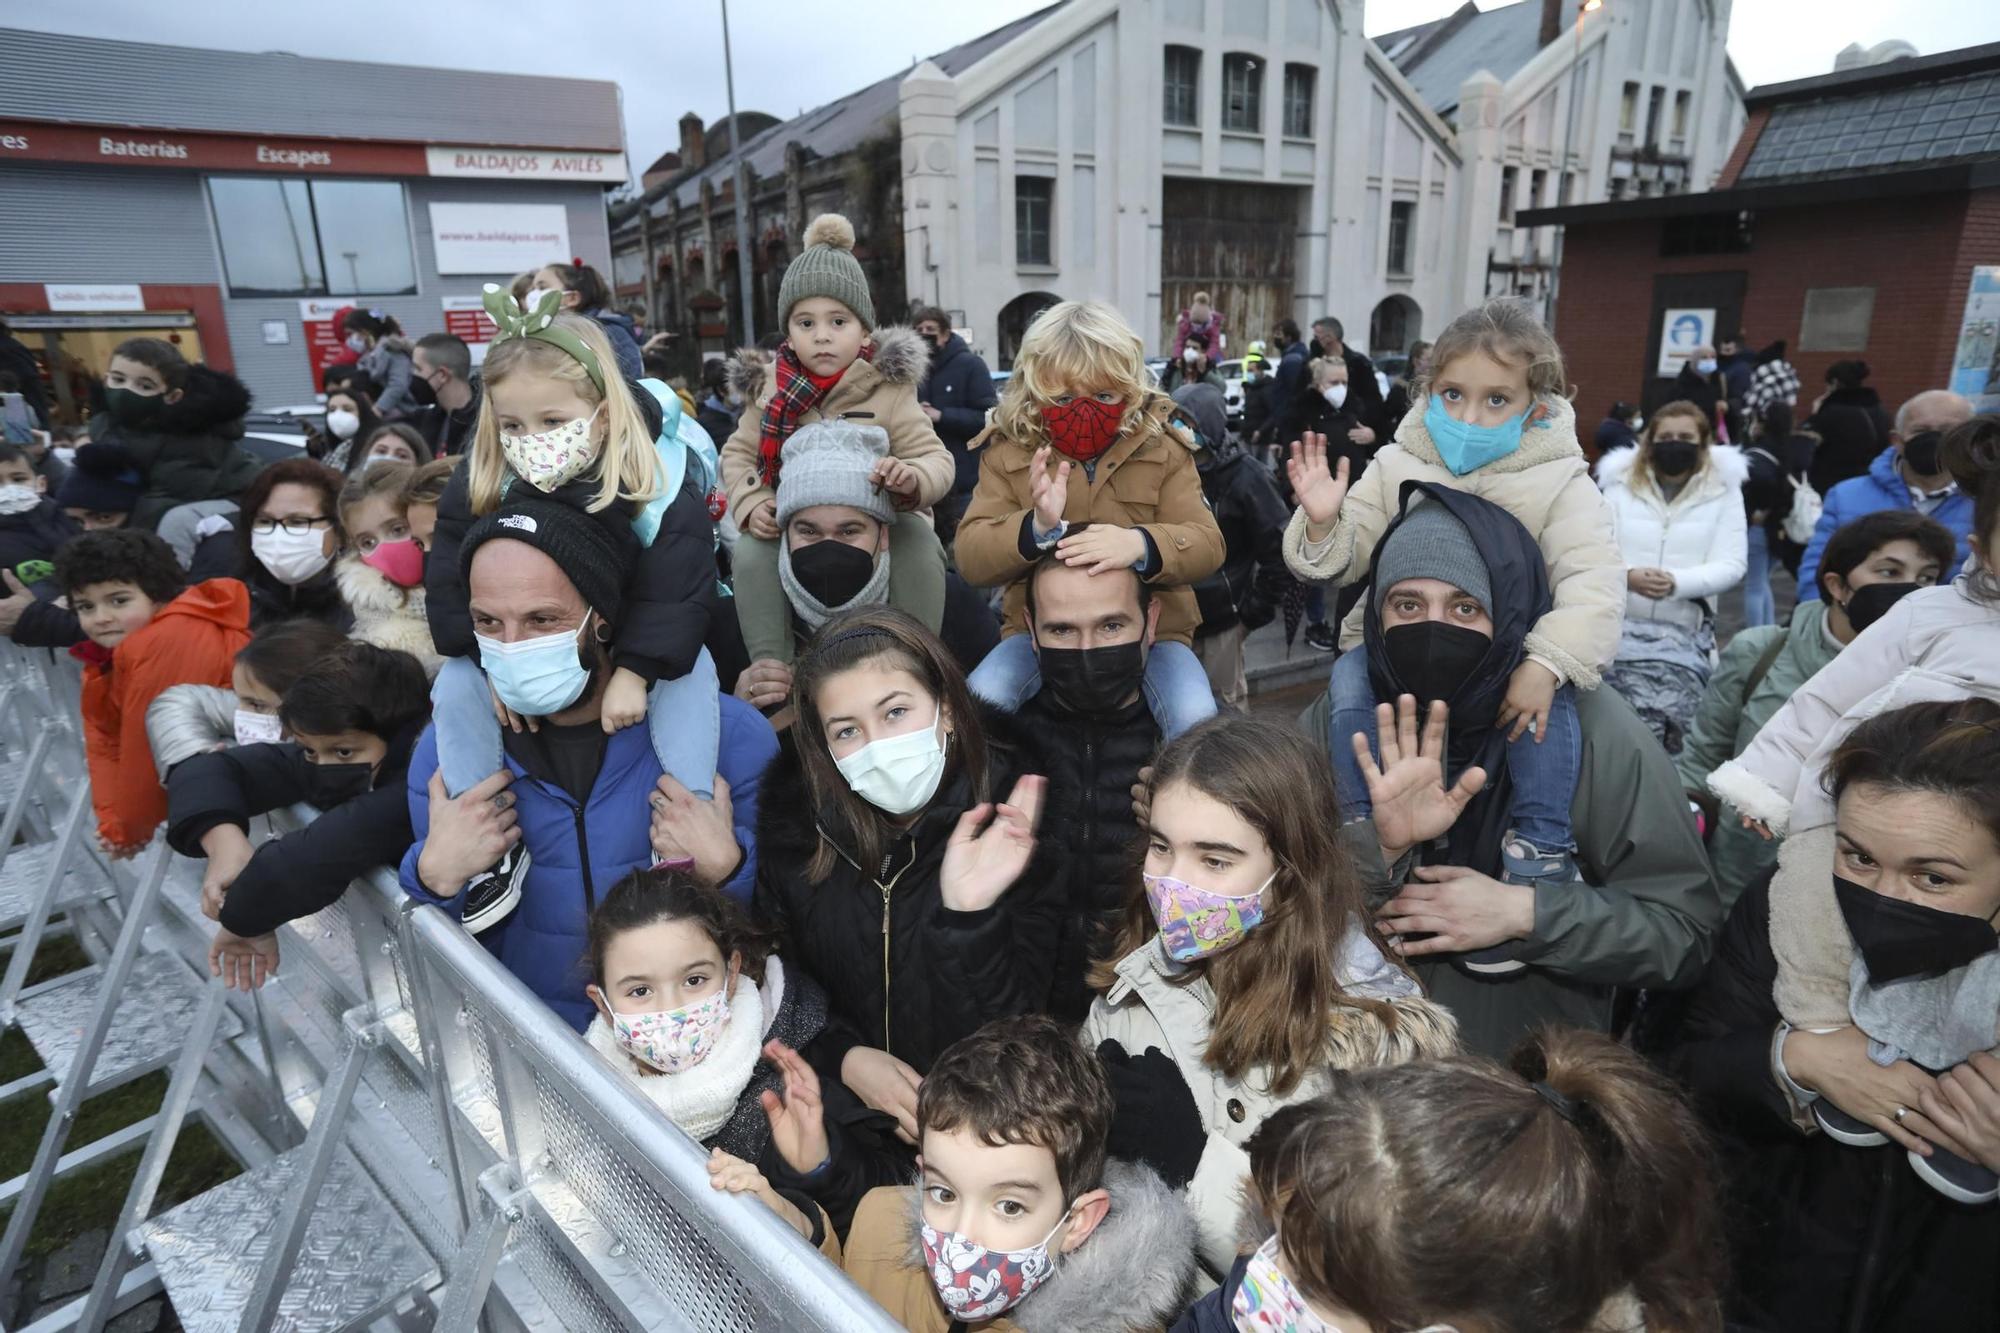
[1519,577]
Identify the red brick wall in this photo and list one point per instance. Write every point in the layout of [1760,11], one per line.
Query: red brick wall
[1917,252]
[1745,141]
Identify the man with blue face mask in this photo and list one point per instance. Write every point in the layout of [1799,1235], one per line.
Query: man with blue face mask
[584,806]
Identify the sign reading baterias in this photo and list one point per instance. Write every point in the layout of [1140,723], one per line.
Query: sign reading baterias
[33,141]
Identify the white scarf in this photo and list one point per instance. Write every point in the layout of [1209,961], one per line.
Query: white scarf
[702,1099]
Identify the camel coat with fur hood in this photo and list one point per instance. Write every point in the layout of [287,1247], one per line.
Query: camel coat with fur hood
[1546,484]
[1144,1010]
[1699,536]
[1146,480]
[386,615]
[1134,1272]
[882,392]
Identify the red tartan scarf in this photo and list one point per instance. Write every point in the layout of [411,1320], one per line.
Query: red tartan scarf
[795,394]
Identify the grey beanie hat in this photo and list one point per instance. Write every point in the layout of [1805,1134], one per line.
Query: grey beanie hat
[1431,543]
[832,463]
[827,267]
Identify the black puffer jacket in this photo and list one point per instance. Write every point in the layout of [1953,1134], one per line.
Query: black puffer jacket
[1091,764]
[1364,403]
[191,452]
[937,975]
[961,388]
[669,588]
[1239,489]
[1853,427]
[1811,1216]
[34,534]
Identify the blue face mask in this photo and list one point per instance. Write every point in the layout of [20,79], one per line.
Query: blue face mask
[1464,446]
[539,676]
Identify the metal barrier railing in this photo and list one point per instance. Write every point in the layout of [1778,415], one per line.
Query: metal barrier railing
[422,1138]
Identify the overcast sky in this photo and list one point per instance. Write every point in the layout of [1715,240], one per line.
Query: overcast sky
[667,54]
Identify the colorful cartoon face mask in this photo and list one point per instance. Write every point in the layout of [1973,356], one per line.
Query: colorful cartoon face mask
[253,728]
[1197,922]
[674,1040]
[1267,1302]
[546,459]
[976,1283]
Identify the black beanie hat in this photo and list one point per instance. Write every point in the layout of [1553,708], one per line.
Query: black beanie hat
[102,477]
[595,554]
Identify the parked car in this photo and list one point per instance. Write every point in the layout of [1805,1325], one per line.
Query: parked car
[1232,388]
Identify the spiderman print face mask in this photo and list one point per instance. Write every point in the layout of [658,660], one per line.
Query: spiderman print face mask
[1082,428]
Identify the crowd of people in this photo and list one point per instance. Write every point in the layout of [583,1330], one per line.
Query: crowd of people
[857,759]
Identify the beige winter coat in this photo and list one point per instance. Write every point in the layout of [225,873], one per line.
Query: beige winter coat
[882,392]
[1146,1011]
[384,614]
[1546,485]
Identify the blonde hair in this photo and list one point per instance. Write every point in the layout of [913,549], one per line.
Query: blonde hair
[1640,475]
[1321,366]
[627,467]
[1506,329]
[1074,347]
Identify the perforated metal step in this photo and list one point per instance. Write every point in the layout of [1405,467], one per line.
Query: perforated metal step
[358,1258]
[148,1028]
[22,877]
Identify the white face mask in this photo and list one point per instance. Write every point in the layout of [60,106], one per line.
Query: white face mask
[292,558]
[1335,394]
[357,343]
[534,294]
[342,424]
[253,728]
[898,774]
[18,499]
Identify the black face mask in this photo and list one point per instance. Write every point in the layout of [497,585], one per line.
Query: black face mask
[1433,660]
[328,785]
[1899,939]
[422,390]
[1093,680]
[1675,458]
[833,572]
[1920,453]
[1869,603]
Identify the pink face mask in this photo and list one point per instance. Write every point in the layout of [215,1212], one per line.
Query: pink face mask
[400,562]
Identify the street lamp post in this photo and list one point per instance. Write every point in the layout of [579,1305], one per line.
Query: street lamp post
[1563,172]
[741,178]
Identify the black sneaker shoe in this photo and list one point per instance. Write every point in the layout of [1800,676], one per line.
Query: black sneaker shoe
[1847,1129]
[492,895]
[1955,1178]
[1521,862]
[1320,635]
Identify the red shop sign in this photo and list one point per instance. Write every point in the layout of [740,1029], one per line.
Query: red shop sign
[34,141]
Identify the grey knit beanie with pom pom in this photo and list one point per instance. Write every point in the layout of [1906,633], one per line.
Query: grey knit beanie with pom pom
[827,267]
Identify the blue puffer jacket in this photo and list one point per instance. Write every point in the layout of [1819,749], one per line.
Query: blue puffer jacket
[542,943]
[622,334]
[1881,488]
[1215,1311]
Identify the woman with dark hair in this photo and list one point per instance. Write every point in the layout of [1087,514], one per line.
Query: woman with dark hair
[1460,1193]
[585,292]
[1245,970]
[378,340]
[1851,423]
[884,865]
[286,535]
[350,419]
[1842,987]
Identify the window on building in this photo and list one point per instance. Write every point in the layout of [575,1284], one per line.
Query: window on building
[1034,207]
[1628,108]
[1402,227]
[1654,101]
[1681,113]
[1615,189]
[1836,319]
[1565,187]
[1509,180]
[286,237]
[1538,181]
[1182,82]
[1242,93]
[1707,234]
[1299,100]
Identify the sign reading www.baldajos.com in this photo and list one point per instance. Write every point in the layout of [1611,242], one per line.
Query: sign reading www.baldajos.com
[499,238]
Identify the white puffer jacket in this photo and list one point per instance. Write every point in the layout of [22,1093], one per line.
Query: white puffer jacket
[1698,537]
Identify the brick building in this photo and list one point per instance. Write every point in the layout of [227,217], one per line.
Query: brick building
[1849,221]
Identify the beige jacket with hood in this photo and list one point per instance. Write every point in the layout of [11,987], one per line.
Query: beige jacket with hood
[1546,484]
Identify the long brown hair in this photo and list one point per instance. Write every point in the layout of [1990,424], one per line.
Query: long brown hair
[1640,475]
[1276,991]
[1513,1200]
[892,638]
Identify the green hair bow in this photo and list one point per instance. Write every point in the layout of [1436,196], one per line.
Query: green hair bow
[539,324]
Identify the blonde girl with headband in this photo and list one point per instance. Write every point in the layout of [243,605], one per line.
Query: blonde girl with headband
[558,419]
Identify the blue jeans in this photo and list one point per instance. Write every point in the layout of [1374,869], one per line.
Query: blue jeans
[1176,685]
[682,715]
[1316,604]
[1758,606]
[1544,775]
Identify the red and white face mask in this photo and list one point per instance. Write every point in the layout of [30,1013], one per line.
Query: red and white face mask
[1083,427]
[976,1283]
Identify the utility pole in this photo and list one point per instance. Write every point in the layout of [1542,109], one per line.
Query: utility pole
[740,175]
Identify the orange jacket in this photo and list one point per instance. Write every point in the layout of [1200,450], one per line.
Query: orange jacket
[192,640]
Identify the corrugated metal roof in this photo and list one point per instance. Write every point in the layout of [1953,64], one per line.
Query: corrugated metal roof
[92,81]
[826,131]
[1499,41]
[1925,124]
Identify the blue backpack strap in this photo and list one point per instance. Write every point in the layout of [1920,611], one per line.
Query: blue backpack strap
[673,461]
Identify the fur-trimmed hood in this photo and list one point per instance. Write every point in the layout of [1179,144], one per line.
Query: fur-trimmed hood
[1726,470]
[212,402]
[1134,1271]
[901,357]
[384,614]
